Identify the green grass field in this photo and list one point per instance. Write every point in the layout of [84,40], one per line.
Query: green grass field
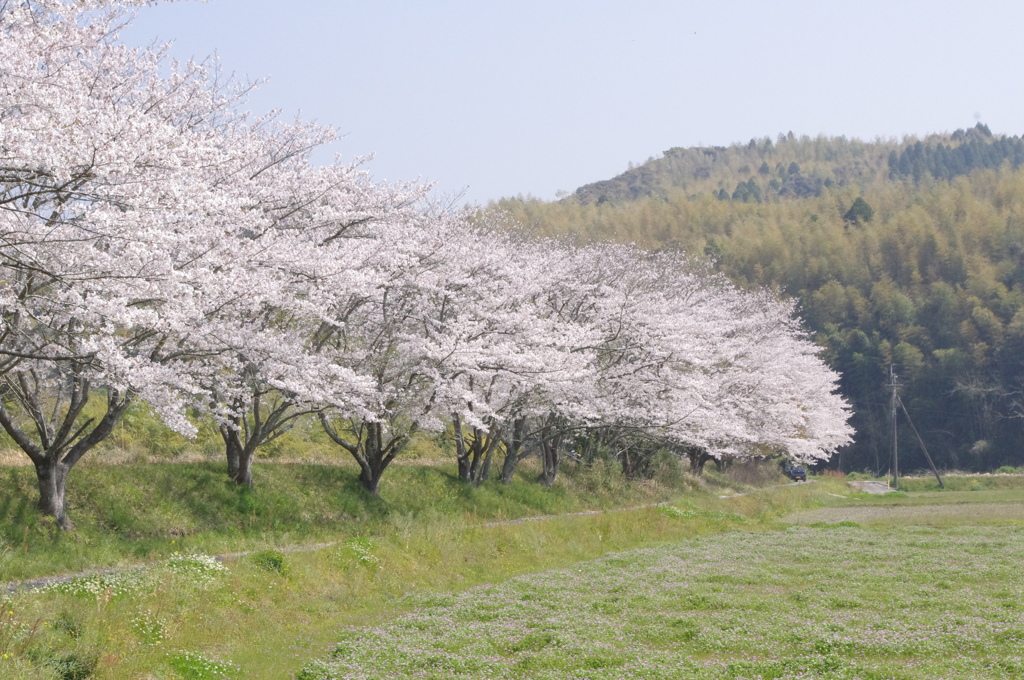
[416,585]
[824,602]
[929,587]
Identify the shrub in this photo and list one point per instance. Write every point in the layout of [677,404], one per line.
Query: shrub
[666,468]
[270,560]
[74,665]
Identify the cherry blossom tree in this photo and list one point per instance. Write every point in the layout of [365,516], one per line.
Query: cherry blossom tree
[158,244]
[377,330]
[89,138]
[148,227]
[685,361]
[314,247]
[506,356]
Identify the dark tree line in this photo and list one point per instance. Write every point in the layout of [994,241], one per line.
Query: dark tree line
[965,152]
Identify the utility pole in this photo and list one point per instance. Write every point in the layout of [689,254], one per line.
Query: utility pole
[895,399]
[920,441]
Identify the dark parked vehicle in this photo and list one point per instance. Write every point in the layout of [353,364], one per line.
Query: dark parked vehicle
[794,472]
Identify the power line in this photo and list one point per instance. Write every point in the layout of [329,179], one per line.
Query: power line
[921,442]
[916,409]
[896,401]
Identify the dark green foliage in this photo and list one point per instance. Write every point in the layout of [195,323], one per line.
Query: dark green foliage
[73,665]
[747,192]
[860,212]
[713,249]
[968,151]
[270,560]
[799,186]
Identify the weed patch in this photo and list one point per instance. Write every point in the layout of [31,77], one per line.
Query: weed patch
[194,666]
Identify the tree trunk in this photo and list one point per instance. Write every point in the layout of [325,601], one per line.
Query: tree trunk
[232,450]
[262,420]
[52,476]
[243,473]
[461,454]
[485,470]
[483,451]
[369,449]
[628,465]
[508,467]
[371,463]
[239,456]
[551,462]
[514,450]
[377,455]
[369,477]
[698,458]
[70,439]
[591,446]
[476,454]
[550,459]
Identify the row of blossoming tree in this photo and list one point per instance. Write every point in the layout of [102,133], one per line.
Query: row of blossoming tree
[159,245]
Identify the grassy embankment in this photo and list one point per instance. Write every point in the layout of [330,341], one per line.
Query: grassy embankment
[269,612]
[266,614]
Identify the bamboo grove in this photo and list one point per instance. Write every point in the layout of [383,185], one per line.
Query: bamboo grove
[902,253]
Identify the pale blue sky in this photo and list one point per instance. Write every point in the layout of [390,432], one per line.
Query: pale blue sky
[532,97]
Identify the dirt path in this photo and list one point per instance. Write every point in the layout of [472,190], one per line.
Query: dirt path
[927,515]
[777,486]
[32,584]
[922,514]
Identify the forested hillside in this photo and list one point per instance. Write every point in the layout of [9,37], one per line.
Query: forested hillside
[907,253]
